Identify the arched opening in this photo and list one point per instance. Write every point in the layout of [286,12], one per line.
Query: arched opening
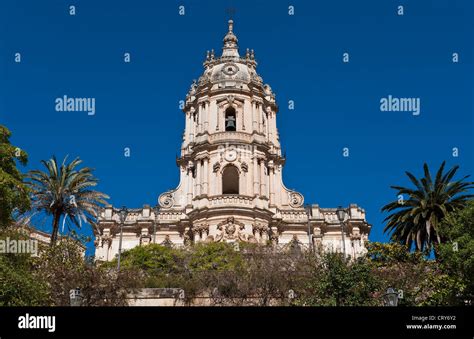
[230,120]
[230,180]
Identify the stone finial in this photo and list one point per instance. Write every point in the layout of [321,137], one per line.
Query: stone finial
[230,48]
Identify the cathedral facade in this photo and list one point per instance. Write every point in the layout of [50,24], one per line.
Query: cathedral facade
[231,184]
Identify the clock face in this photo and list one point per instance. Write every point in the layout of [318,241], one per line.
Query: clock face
[231,155]
[230,69]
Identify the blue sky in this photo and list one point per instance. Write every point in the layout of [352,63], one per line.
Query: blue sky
[300,56]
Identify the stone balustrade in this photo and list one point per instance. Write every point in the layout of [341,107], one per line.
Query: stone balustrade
[230,199]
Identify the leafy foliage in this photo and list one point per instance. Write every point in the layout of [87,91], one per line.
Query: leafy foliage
[152,258]
[215,256]
[456,256]
[46,280]
[64,191]
[19,285]
[13,192]
[417,220]
[334,281]
[64,268]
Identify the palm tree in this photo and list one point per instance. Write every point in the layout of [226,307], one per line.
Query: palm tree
[65,192]
[417,219]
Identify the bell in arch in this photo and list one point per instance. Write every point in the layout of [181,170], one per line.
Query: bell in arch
[230,123]
[230,119]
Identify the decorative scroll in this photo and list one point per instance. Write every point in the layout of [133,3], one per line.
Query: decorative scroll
[166,200]
[296,199]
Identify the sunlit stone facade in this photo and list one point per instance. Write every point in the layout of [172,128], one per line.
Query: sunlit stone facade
[231,184]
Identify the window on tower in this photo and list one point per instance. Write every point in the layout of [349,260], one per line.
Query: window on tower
[230,180]
[230,121]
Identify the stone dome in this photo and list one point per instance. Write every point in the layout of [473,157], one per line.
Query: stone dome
[230,66]
[230,71]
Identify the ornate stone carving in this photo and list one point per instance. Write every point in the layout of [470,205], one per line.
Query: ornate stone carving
[251,239]
[106,240]
[269,210]
[260,229]
[230,69]
[230,229]
[295,199]
[274,238]
[200,230]
[186,239]
[230,99]
[167,242]
[166,200]
[193,87]
[145,239]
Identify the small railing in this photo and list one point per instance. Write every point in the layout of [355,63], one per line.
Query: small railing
[230,199]
[230,136]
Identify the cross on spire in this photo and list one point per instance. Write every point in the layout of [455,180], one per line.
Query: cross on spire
[230,12]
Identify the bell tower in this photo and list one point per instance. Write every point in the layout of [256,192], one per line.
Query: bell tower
[231,184]
[231,163]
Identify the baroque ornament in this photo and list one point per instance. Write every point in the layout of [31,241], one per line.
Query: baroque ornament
[230,69]
[295,199]
[212,193]
[230,229]
[166,200]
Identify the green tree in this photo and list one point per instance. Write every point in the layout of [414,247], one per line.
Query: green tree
[215,256]
[65,192]
[456,256]
[62,268]
[19,285]
[421,280]
[417,219]
[151,258]
[334,281]
[13,191]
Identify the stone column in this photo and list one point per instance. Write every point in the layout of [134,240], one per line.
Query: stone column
[273,127]
[197,181]
[254,116]
[218,183]
[267,125]
[187,131]
[191,125]
[242,113]
[190,185]
[199,119]
[270,125]
[205,117]
[205,177]
[263,186]
[256,187]
[271,184]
